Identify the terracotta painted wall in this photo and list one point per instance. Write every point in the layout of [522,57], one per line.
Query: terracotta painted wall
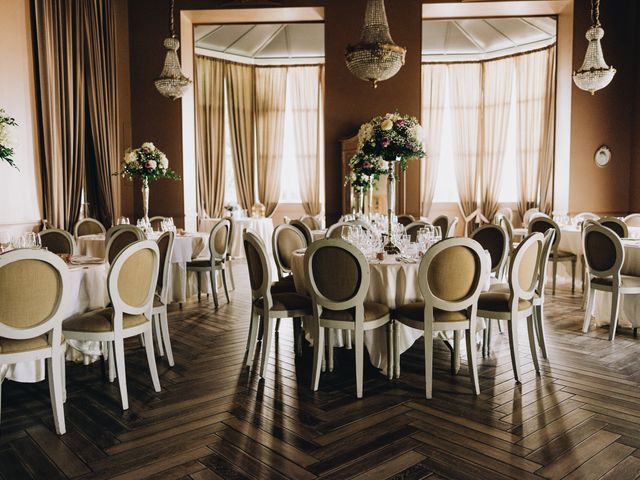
[634,187]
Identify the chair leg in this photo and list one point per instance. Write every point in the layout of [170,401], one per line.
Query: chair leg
[532,342]
[390,350]
[359,348]
[455,354]
[55,391]
[164,326]
[499,322]
[266,343]
[539,323]
[318,354]
[118,348]
[589,310]
[347,340]
[583,272]
[331,335]
[214,287]
[199,282]
[277,325]
[63,371]
[252,338]
[635,332]
[615,307]
[151,359]
[112,362]
[158,334]
[224,284]
[428,360]
[573,277]
[512,328]
[231,277]
[555,271]
[485,338]
[396,349]
[471,361]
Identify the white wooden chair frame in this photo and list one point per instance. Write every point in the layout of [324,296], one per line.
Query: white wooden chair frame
[616,288]
[452,223]
[359,326]
[555,259]
[56,231]
[632,220]
[504,212]
[55,350]
[538,299]
[304,228]
[315,224]
[115,232]
[155,219]
[582,216]
[229,258]
[88,220]
[116,336]
[337,226]
[431,301]
[159,312]
[526,217]
[499,269]
[284,271]
[617,221]
[519,292]
[268,313]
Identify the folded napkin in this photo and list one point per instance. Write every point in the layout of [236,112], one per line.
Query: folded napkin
[84,260]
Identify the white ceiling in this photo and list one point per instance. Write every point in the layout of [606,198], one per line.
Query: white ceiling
[442,40]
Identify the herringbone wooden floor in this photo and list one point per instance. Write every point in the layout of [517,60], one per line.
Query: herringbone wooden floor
[212,419]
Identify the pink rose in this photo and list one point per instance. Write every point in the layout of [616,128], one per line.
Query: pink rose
[386,141]
[150,165]
[366,164]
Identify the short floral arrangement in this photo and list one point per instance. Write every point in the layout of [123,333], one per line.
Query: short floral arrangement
[146,162]
[365,172]
[231,207]
[392,137]
[6,152]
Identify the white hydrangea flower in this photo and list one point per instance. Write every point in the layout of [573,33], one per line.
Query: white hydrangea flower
[149,146]
[130,157]
[164,161]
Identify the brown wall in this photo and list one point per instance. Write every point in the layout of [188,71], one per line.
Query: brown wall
[634,190]
[605,118]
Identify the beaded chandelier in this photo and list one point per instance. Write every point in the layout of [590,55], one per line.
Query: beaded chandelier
[172,83]
[594,74]
[375,57]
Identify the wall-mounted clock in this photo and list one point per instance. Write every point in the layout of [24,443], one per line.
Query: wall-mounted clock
[602,156]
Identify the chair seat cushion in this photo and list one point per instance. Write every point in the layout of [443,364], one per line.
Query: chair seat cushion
[10,345]
[205,263]
[283,302]
[100,321]
[157,302]
[497,301]
[372,311]
[563,255]
[285,285]
[628,281]
[415,312]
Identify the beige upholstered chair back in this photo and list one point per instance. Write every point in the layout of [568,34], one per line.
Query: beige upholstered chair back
[120,237]
[133,278]
[618,226]
[450,274]
[57,241]
[335,230]
[306,231]
[493,239]
[547,245]
[406,219]
[581,217]
[504,212]
[526,217]
[443,222]
[603,251]
[88,226]
[259,267]
[632,220]
[337,274]
[156,222]
[413,228]
[310,222]
[165,251]
[523,271]
[541,225]
[33,293]
[219,239]
[286,239]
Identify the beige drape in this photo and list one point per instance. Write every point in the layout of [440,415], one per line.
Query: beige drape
[102,100]
[434,86]
[241,106]
[535,106]
[497,87]
[465,93]
[271,97]
[210,171]
[307,99]
[60,48]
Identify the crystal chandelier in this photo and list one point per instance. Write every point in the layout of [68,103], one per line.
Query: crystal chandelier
[375,57]
[594,74]
[172,83]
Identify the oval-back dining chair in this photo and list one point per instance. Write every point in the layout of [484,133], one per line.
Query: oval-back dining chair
[88,226]
[618,226]
[57,241]
[119,237]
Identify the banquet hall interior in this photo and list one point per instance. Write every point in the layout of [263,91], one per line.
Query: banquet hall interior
[373,239]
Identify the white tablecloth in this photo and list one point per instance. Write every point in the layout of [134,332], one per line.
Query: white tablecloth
[392,283]
[89,291]
[262,226]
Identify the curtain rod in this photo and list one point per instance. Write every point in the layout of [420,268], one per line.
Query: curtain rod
[231,62]
[513,55]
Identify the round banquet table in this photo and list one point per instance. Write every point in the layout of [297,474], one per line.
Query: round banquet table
[629,304]
[88,284]
[263,227]
[392,283]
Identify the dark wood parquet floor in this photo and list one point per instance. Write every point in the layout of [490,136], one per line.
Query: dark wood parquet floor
[579,420]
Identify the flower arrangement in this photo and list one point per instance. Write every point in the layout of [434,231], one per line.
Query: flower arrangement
[231,207]
[392,137]
[146,162]
[365,171]
[6,152]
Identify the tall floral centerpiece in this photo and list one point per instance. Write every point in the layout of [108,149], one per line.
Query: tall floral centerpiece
[395,139]
[365,172]
[6,151]
[146,163]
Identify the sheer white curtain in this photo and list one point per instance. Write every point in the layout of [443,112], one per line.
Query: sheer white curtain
[465,89]
[497,88]
[535,79]
[307,99]
[434,89]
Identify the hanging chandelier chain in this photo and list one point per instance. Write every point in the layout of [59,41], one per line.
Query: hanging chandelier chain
[172,29]
[595,12]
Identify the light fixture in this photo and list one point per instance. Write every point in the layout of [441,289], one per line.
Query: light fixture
[594,74]
[172,83]
[375,57]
